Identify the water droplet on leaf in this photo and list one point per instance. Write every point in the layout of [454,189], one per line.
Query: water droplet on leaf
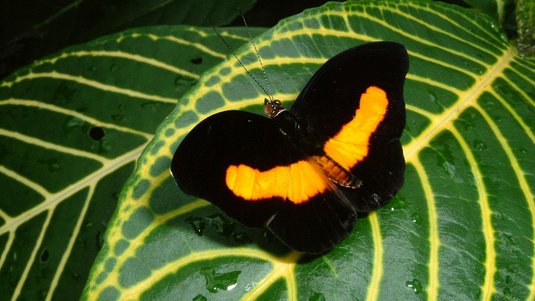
[480,145]
[450,168]
[219,281]
[415,285]
[183,83]
[415,218]
[432,96]
[197,223]
[73,123]
[221,225]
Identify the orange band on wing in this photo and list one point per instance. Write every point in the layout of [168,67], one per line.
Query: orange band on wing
[351,144]
[296,183]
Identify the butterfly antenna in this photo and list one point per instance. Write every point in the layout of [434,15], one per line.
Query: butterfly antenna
[270,94]
[239,61]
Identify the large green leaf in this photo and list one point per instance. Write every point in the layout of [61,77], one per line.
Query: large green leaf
[461,228]
[33,28]
[71,128]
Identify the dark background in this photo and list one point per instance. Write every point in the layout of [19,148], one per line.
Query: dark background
[31,29]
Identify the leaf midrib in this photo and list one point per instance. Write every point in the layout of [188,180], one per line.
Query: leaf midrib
[55,198]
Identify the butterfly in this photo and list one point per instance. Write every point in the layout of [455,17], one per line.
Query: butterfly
[305,173]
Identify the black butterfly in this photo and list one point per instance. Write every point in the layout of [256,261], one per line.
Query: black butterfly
[304,173]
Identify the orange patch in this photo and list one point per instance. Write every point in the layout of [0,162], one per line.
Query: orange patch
[297,182]
[351,144]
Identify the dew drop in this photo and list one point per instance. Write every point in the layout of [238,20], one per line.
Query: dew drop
[72,123]
[219,281]
[432,96]
[197,223]
[183,83]
[415,285]
[507,238]
[221,225]
[232,286]
[415,218]
[480,145]
[450,168]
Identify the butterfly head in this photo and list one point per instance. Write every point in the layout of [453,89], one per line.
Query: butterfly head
[272,108]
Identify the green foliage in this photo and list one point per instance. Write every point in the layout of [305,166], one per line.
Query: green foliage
[73,124]
[51,25]
[71,127]
[460,228]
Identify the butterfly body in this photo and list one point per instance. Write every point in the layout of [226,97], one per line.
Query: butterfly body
[305,172]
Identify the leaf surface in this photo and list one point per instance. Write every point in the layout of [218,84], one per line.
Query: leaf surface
[461,228]
[71,127]
[51,25]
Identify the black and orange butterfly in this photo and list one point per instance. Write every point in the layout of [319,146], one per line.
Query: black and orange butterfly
[305,173]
